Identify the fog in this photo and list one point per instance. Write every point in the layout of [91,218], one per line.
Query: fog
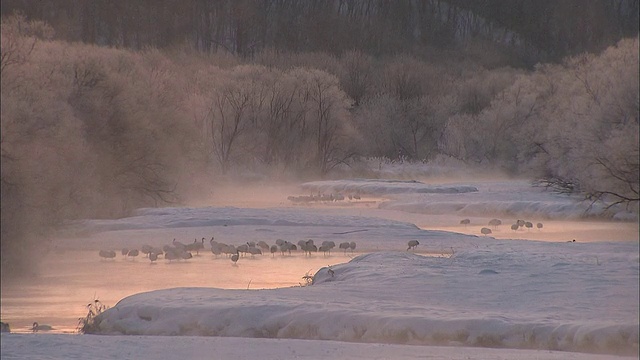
[235,213]
[77,277]
[98,132]
[419,120]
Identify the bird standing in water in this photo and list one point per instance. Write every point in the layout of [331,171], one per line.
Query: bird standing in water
[37,327]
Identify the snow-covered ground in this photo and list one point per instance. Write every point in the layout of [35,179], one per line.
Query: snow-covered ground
[456,296]
[517,198]
[56,347]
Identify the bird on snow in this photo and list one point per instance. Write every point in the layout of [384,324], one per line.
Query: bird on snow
[412,244]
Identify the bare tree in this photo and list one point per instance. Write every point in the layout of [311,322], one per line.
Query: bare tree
[327,116]
[280,118]
[19,37]
[233,111]
[357,75]
[403,78]
[598,104]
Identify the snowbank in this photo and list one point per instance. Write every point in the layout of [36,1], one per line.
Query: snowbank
[45,347]
[381,187]
[493,297]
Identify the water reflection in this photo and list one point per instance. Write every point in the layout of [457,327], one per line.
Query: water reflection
[72,279]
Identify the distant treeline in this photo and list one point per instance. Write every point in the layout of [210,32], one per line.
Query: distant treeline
[531,30]
[94,131]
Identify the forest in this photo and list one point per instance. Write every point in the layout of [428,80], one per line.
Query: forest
[109,106]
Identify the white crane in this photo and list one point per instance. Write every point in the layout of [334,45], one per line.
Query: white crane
[216,250]
[41,327]
[179,245]
[133,253]
[146,249]
[254,251]
[325,249]
[263,245]
[412,244]
[495,223]
[171,255]
[107,254]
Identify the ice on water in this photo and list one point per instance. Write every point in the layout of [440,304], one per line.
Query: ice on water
[562,300]
[479,291]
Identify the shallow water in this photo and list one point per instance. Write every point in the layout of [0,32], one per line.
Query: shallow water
[553,230]
[73,279]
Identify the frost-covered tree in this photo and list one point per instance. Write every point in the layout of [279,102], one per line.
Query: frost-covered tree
[326,117]
[33,132]
[592,138]
[372,120]
[86,131]
[404,78]
[282,121]
[19,37]
[408,113]
[575,125]
[357,77]
[476,87]
[508,125]
[234,110]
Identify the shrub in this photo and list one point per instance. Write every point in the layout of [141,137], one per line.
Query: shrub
[88,324]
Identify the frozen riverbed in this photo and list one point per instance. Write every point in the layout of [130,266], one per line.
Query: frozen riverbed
[454,289]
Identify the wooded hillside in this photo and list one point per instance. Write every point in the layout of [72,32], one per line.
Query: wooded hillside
[109,106]
[531,30]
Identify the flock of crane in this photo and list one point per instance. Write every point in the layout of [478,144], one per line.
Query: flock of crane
[321,198]
[519,224]
[181,251]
